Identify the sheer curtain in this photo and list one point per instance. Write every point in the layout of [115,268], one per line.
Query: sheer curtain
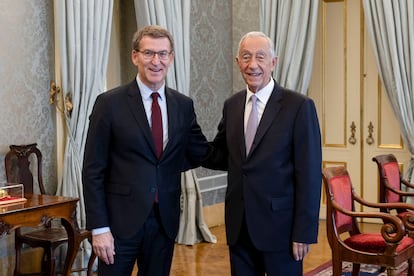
[174,15]
[83,31]
[291,24]
[390,25]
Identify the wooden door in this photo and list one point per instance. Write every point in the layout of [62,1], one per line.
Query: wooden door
[356,120]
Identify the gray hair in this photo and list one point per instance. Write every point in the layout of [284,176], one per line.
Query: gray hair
[258,34]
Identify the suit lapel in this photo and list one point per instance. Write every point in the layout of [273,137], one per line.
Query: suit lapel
[238,111]
[172,109]
[136,107]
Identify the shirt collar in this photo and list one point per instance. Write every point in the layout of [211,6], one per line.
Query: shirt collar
[263,94]
[146,91]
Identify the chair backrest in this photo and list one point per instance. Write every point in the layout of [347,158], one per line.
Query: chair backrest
[338,188]
[23,165]
[390,176]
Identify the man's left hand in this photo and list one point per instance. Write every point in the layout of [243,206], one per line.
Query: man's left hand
[300,250]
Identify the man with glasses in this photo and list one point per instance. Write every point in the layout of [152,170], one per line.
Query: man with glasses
[141,137]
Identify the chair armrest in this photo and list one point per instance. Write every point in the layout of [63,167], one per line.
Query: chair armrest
[408,220]
[409,185]
[395,205]
[392,231]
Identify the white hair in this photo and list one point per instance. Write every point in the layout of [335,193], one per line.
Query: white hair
[258,34]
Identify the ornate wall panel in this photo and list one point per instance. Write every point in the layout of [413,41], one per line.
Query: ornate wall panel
[211,60]
[26,69]
[211,78]
[245,19]
[216,28]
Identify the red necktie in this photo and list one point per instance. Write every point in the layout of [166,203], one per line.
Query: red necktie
[156,124]
[156,128]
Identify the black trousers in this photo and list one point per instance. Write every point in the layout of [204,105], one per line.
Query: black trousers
[247,260]
[150,248]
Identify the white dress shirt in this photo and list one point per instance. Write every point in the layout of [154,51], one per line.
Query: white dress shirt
[263,96]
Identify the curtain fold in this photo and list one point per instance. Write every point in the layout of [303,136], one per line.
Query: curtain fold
[192,229]
[174,15]
[390,25]
[83,32]
[291,25]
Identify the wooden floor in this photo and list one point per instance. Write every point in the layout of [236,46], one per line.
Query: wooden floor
[208,259]
[212,259]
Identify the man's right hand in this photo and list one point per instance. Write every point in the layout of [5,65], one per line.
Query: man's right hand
[103,246]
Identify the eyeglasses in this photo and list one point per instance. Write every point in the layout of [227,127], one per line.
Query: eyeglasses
[148,54]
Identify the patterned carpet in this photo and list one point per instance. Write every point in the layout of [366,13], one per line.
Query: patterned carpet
[366,270]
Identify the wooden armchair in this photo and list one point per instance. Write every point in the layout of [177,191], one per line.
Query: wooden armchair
[388,248]
[392,184]
[23,164]
[392,189]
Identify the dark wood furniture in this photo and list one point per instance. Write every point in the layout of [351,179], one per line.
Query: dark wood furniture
[39,210]
[393,187]
[388,248]
[23,165]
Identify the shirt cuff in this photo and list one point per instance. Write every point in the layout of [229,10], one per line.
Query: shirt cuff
[101,230]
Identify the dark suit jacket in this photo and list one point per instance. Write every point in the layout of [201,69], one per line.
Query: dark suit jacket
[278,186]
[121,169]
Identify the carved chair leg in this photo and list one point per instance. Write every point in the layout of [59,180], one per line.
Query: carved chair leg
[49,261]
[410,271]
[336,267]
[355,269]
[91,261]
[17,247]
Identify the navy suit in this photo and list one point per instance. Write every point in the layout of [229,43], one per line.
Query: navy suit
[274,192]
[121,169]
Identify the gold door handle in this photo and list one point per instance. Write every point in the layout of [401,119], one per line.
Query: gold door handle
[352,140]
[370,139]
